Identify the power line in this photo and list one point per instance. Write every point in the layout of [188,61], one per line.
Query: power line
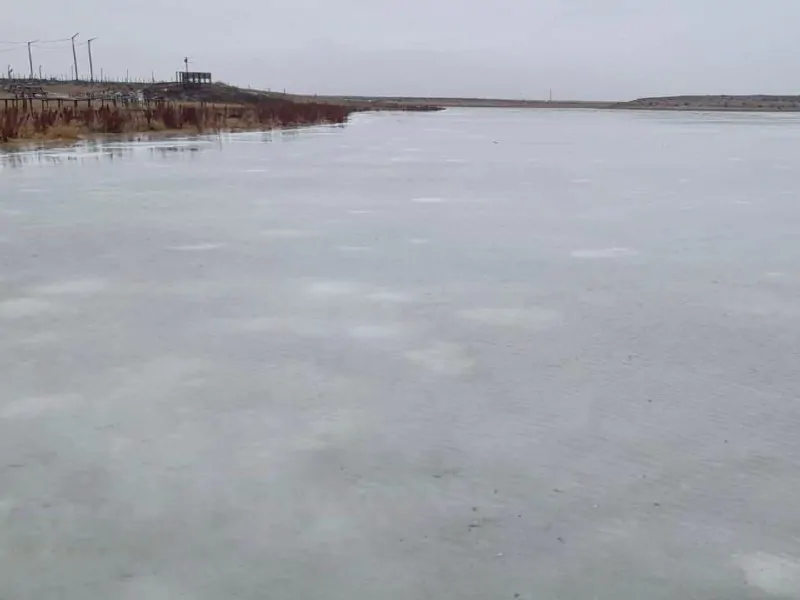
[51,50]
[55,46]
[58,41]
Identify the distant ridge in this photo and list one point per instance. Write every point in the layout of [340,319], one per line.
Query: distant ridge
[756,102]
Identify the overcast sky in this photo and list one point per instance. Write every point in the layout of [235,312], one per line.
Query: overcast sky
[582,49]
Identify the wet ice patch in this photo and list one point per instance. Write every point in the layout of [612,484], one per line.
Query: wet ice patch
[335,288]
[442,358]
[778,575]
[390,297]
[428,200]
[329,427]
[376,331]
[276,325]
[38,406]
[195,247]
[603,253]
[19,308]
[74,287]
[527,318]
[40,339]
[354,249]
[287,234]
[760,304]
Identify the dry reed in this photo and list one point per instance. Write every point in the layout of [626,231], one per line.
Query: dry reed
[71,119]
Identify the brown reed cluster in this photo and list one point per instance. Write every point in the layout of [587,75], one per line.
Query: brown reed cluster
[34,120]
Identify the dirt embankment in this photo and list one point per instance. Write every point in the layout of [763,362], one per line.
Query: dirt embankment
[754,103]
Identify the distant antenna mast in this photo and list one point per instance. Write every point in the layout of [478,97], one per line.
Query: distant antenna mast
[74,55]
[30,56]
[91,64]
[551,95]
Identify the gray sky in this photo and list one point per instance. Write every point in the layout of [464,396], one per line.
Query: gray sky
[583,49]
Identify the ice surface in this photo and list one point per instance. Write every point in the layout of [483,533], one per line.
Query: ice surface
[576,378]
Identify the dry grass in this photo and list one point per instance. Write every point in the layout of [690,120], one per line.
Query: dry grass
[63,132]
[70,120]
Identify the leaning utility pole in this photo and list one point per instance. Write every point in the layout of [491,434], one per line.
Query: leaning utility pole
[30,56]
[91,66]
[75,55]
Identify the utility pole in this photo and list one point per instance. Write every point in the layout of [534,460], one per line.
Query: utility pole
[75,55]
[30,56]
[91,65]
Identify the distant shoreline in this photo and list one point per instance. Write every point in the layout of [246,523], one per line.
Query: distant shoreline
[710,103]
[221,93]
[143,108]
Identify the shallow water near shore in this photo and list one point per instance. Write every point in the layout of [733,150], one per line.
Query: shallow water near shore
[470,354]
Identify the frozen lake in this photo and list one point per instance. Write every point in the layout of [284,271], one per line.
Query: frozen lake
[474,354]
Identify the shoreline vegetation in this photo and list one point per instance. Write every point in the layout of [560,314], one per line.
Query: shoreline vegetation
[34,120]
[69,113]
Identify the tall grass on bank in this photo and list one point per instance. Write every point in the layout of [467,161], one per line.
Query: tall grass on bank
[70,119]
